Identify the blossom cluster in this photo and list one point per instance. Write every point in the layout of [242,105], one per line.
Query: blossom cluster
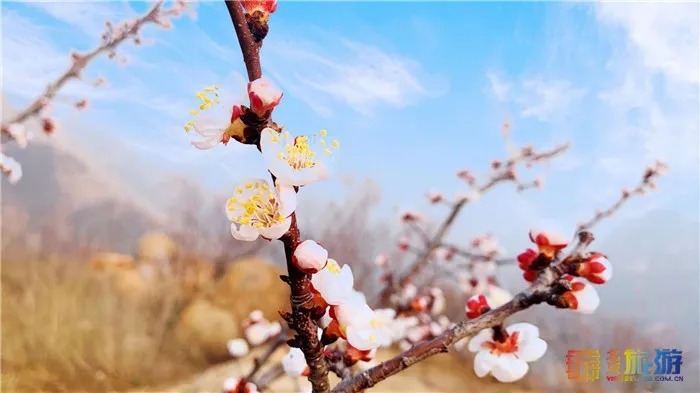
[575,290]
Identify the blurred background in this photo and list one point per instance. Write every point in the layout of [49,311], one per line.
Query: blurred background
[118,268]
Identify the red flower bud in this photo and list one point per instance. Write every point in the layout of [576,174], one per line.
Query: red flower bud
[476,306]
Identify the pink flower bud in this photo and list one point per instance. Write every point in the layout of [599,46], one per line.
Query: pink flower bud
[403,244]
[435,197]
[263,96]
[380,260]
[48,125]
[310,257]
[81,104]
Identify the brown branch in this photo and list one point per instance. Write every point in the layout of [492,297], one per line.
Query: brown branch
[269,376]
[259,361]
[80,61]
[504,172]
[301,321]
[541,289]
[646,183]
[480,257]
[301,297]
[249,48]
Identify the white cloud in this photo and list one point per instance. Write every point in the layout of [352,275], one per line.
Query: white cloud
[665,35]
[87,17]
[499,87]
[536,96]
[544,99]
[350,73]
[652,99]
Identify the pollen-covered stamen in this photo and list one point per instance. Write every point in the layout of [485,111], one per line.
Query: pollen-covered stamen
[208,97]
[259,208]
[300,154]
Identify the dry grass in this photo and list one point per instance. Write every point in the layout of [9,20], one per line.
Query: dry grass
[64,328]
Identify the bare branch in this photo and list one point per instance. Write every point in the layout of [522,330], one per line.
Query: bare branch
[124,31]
[503,172]
[647,183]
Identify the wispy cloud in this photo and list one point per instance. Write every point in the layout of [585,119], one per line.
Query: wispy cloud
[543,99]
[653,97]
[350,73]
[664,36]
[86,17]
[536,97]
[499,87]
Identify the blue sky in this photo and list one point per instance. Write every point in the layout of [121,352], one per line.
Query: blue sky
[414,92]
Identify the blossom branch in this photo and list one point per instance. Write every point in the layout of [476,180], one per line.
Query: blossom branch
[111,39]
[540,291]
[300,319]
[648,182]
[503,172]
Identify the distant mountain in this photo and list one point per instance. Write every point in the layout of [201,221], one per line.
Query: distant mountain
[657,271]
[69,199]
[64,202]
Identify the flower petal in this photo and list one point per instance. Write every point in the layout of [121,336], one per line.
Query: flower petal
[244,232]
[509,368]
[483,363]
[527,331]
[287,199]
[588,300]
[532,350]
[482,337]
[276,231]
[206,144]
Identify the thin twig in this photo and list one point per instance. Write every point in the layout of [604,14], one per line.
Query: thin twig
[270,375]
[80,61]
[506,173]
[259,361]
[646,183]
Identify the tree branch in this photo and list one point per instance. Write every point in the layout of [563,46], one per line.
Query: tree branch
[541,289]
[301,297]
[249,48]
[646,183]
[504,172]
[130,29]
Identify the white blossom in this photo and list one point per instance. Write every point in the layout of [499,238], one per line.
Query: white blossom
[258,210]
[296,161]
[507,361]
[334,283]
[237,347]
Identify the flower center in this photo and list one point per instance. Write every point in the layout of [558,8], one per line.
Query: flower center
[509,345]
[260,209]
[299,155]
[333,267]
